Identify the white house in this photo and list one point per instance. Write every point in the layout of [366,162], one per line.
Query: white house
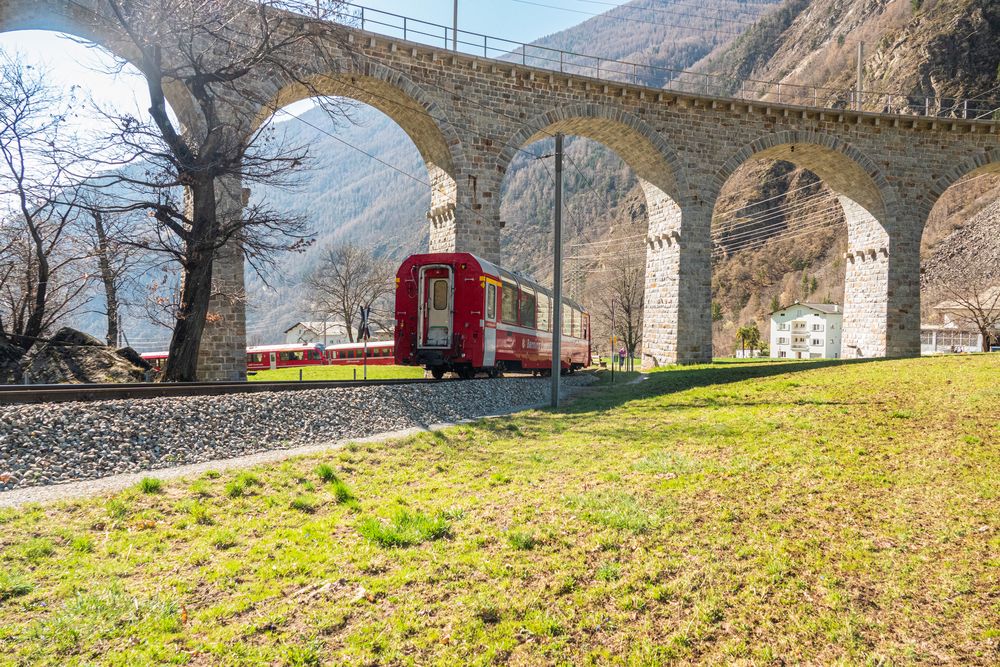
[958,333]
[806,331]
[328,333]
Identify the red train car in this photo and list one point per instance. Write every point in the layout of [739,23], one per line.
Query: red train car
[269,357]
[380,353]
[458,312]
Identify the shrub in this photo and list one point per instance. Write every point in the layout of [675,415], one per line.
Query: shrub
[326,473]
[151,485]
[404,529]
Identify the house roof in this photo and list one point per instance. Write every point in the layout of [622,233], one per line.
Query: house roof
[827,308]
[317,327]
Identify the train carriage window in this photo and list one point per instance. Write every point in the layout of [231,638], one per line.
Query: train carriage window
[527,309]
[491,302]
[508,303]
[577,316]
[567,320]
[544,306]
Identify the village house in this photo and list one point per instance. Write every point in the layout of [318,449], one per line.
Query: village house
[806,331]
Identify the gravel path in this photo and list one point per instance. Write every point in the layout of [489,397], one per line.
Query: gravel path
[52,452]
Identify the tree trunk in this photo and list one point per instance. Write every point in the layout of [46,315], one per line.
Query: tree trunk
[107,277]
[33,325]
[196,292]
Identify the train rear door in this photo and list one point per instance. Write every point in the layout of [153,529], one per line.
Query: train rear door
[436,306]
[490,326]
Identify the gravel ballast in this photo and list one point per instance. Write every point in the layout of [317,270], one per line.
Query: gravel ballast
[67,442]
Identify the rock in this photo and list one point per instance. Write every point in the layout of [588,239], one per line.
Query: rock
[130,355]
[10,362]
[73,357]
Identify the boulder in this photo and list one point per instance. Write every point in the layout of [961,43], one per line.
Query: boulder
[10,362]
[130,355]
[73,357]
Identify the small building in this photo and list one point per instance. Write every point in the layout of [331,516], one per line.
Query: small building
[957,334]
[807,331]
[327,333]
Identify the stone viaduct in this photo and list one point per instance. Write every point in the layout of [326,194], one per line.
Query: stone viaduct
[469,116]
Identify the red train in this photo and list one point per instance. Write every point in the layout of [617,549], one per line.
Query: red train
[268,357]
[457,312]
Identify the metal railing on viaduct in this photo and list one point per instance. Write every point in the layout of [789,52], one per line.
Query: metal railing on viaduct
[675,80]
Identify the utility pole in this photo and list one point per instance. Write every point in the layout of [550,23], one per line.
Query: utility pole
[557,277]
[858,96]
[454,28]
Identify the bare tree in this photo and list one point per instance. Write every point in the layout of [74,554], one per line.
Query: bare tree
[621,293]
[42,272]
[349,278]
[976,304]
[216,52]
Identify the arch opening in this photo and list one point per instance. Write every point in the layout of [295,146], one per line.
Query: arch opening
[371,176]
[434,139]
[960,263]
[621,225]
[802,224]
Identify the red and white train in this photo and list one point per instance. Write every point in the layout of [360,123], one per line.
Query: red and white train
[458,312]
[270,357]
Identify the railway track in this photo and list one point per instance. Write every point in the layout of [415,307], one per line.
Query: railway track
[63,393]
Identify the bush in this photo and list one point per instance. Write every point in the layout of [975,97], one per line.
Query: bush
[404,529]
[151,485]
[199,513]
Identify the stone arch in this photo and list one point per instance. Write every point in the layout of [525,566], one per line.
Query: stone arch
[417,113]
[845,169]
[985,161]
[877,319]
[87,19]
[640,146]
[676,324]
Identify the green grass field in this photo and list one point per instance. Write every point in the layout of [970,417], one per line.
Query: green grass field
[822,513]
[337,373]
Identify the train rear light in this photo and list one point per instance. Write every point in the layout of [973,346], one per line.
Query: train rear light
[464,265]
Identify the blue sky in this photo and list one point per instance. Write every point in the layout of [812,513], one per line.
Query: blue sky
[72,64]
